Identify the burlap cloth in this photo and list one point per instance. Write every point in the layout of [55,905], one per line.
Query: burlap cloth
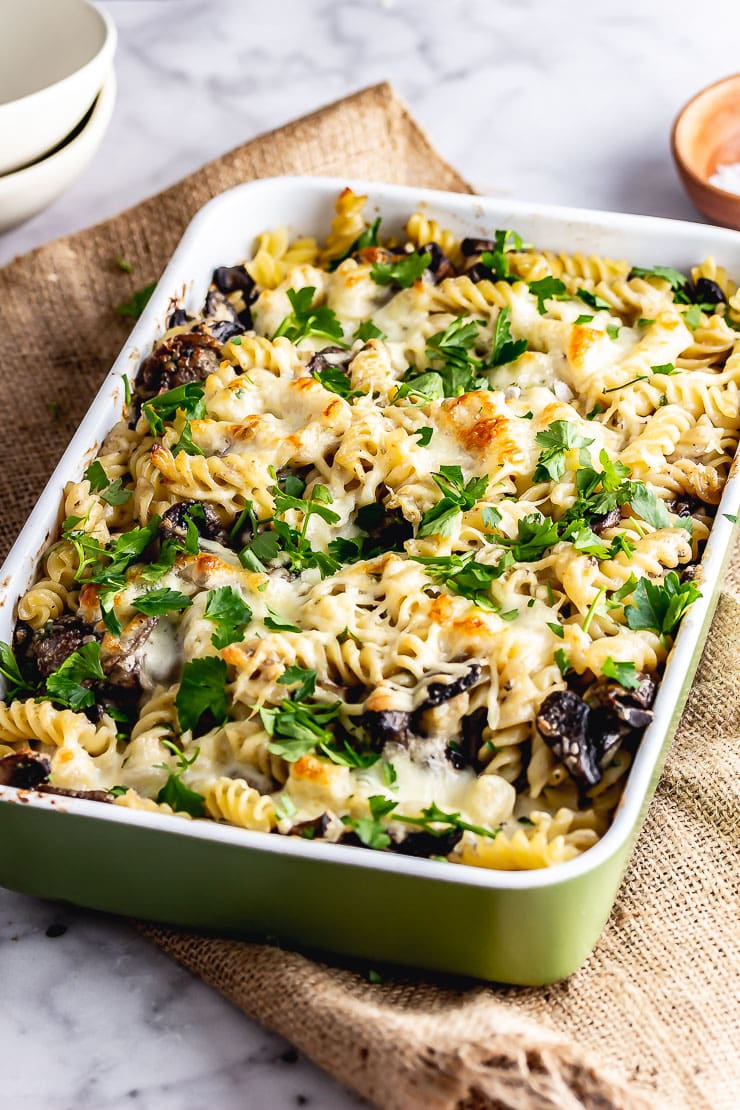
[650,1018]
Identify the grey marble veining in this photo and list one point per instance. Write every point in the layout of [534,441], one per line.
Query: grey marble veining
[561,101]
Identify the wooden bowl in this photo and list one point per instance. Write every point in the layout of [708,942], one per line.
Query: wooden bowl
[707,134]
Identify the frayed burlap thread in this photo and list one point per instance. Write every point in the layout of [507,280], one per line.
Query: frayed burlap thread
[650,1020]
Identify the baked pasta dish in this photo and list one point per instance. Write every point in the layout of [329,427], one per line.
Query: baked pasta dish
[389,547]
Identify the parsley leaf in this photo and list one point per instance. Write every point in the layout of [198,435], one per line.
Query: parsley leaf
[535,535]
[432,817]
[425,435]
[336,380]
[403,272]
[114,493]
[297,727]
[505,240]
[462,575]
[505,349]
[425,387]
[562,661]
[458,497]
[660,607]
[305,320]
[277,623]
[692,317]
[593,301]
[175,793]
[675,278]
[559,437]
[623,673]
[368,330]
[161,601]
[96,476]
[665,368]
[16,685]
[544,290]
[65,685]
[648,506]
[366,238]
[304,677]
[186,398]
[137,304]
[202,690]
[231,615]
[452,348]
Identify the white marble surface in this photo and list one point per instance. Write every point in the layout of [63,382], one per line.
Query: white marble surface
[568,102]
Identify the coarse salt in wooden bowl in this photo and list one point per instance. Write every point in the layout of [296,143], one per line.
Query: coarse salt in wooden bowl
[706,135]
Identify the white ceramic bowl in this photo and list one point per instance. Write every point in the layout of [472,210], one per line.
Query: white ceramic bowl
[27,191]
[54,57]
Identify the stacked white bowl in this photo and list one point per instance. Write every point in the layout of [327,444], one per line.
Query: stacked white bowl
[57,91]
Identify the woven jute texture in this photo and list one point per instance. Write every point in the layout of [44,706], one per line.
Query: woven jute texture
[651,1018]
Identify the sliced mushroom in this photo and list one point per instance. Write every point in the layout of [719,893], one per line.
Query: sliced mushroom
[328,356]
[385,726]
[88,795]
[705,291]
[187,357]
[25,769]
[310,830]
[440,266]
[425,844]
[121,657]
[631,707]
[611,519]
[44,651]
[438,692]
[563,724]
[479,272]
[233,279]
[222,320]
[178,318]
[175,521]
[477,246]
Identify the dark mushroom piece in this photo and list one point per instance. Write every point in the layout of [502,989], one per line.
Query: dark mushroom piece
[705,291]
[44,651]
[440,266]
[387,529]
[88,795]
[385,726]
[24,769]
[630,707]
[310,830]
[187,357]
[233,279]
[178,318]
[439,692]
[563,725]
[175,520]
[479,272]
[328,356]
[425,844]
[122,662]
[476,246]
[222,320]
[611,519]
[465,753]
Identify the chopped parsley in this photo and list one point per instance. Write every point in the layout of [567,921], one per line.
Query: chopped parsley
[496,260]
[175,793]
[421,388]
[675,278]
[559,437]
[366,238]
[402,272]
[660,607]
[458,497]
[562,661]
[276,623]
[16,684]
[452,349]
[692,316]
[425,436]
[156,602]
[187,399]
[202,691]
[544,290]
[505,349]
[112,492]
[139,300]
[67,684]
[229,613]
[462,575]
[305,320]
[298,727]
[665,368]
[368,330]
[623,673]
[336,380]
[535,535]
[593,301]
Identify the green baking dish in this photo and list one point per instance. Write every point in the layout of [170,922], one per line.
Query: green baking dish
[515,927]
